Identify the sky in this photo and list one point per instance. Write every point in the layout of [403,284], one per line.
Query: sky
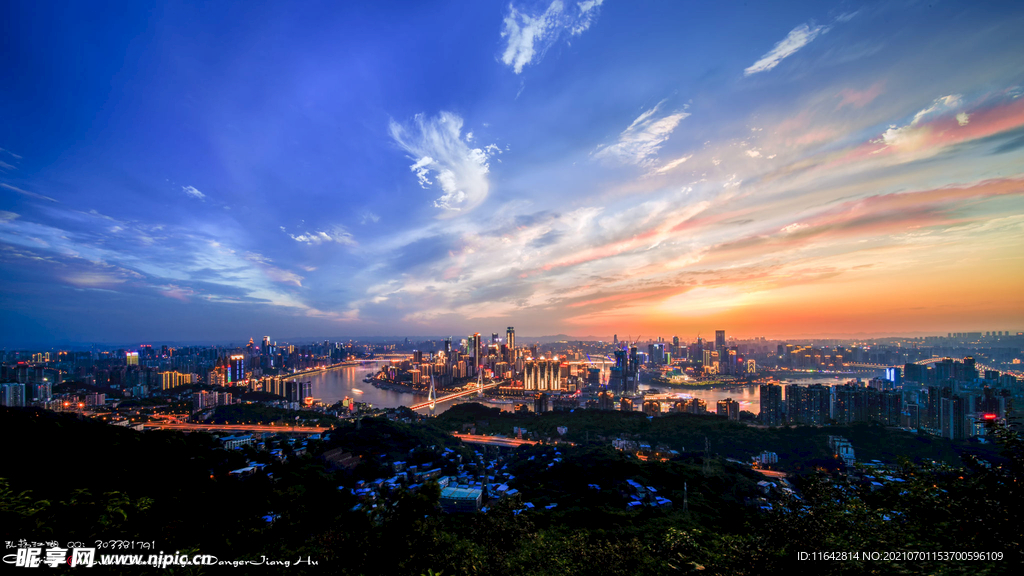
[206,171]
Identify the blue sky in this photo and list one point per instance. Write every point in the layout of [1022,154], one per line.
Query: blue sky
[179,172]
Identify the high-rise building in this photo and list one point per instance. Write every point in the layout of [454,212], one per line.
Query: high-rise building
[13,395]
[541,375]
[174,379]
[794,404]
[815,407]
[298,391]
[476,351]
[132,358]
[652,408]
[719,339]
[236,368]
[771,404]
[953,415]
[729,408]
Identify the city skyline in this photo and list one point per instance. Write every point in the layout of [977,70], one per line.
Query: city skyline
[171,173]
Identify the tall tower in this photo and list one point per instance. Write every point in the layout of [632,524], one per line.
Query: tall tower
[510,334]
[719,339]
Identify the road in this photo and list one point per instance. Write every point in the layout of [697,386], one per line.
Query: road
[235,428]
[492,440]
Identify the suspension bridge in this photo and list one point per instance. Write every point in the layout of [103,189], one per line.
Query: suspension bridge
[432,398]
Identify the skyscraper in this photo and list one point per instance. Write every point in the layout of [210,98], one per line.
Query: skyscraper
[236,368]
[510,335]
[771,404]
[475,349]
[719,339]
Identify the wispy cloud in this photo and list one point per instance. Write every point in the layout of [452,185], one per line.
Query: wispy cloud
[335,234]
[640,141]
[441,154]
[193,193]
[797,38]
[673,164]
[27,193]
[529,36]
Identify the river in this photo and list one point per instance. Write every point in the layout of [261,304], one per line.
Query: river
[334,385]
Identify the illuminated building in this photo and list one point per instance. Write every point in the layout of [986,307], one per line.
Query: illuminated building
[541,375]
[476,351]
[605,401]
[216,377]
[236,368]
[729,408]
[652,408]
[174,379]
[626,405]
[719,339]
[132,358]
[274,385]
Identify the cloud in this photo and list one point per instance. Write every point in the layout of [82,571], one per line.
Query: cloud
[912,136]
[940,104]
[442,155]
[27,193]
[796,39]
[336,234]
[193,193]
[753,153]
[640,142]
[673,164]
[368,217]
[530,36]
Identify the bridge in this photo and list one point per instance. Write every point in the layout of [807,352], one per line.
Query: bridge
[474,390]
[932,360]
[235,428]
[492,440]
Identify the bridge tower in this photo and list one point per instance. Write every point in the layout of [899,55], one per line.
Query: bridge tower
[432,395]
